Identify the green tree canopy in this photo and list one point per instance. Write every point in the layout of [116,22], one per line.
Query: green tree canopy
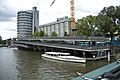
[0,40]
[42,33]
[86,25]
[54,34]
[46,35]
[66,34]
[109,20]
[37,33]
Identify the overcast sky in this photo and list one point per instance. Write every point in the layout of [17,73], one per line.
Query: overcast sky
[61,8]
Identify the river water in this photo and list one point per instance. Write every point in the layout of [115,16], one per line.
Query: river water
[29,65]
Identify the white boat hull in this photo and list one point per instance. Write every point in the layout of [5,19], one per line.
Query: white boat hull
[65,58]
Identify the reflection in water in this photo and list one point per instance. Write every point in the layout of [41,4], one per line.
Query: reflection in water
[57,70]
[7,64]
[29,65]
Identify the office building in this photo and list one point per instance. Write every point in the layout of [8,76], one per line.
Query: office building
[60,26]
[27,22]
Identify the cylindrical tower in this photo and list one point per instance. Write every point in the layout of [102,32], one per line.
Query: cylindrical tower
[27,22]
[24,23]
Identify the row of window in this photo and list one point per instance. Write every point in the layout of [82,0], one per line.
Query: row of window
[24,19]
[58,28]
[24,23]
[25,14]
[26,27]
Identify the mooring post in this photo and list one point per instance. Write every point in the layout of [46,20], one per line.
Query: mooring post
[108,56]
[84,54]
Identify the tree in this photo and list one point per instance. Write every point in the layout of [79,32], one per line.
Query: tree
[81,26]
[109,20]
[86,25]
[46,35]
[118,16]
[41,33]
[37,33]
[54,34]
[65,34]
[106,25]
[0,40]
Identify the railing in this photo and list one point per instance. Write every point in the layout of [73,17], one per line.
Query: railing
[67,37]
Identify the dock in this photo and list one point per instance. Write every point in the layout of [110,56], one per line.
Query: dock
[90,48]
[113,68]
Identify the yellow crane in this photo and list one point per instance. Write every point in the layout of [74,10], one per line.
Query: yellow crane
[72,19]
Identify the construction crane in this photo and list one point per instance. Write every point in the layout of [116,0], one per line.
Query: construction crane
[72,19]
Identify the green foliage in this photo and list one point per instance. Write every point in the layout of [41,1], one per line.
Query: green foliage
[46,35]
[66,34]
[54,34]
[0,40]
[36,34]
[41,33]
[86,25]
[109,19]
[107,22]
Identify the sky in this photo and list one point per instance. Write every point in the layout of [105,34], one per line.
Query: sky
[47,14]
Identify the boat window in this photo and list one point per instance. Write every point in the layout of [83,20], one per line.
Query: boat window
[63,54]
[67,55]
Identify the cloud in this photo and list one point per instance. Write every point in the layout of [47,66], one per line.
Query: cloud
[5,34]
[10,29]
[86,11]
[6,12]
[47,14]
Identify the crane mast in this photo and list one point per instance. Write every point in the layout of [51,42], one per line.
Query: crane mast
[72,19]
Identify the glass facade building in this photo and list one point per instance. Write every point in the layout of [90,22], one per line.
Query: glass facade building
[27,22]
[60,26]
